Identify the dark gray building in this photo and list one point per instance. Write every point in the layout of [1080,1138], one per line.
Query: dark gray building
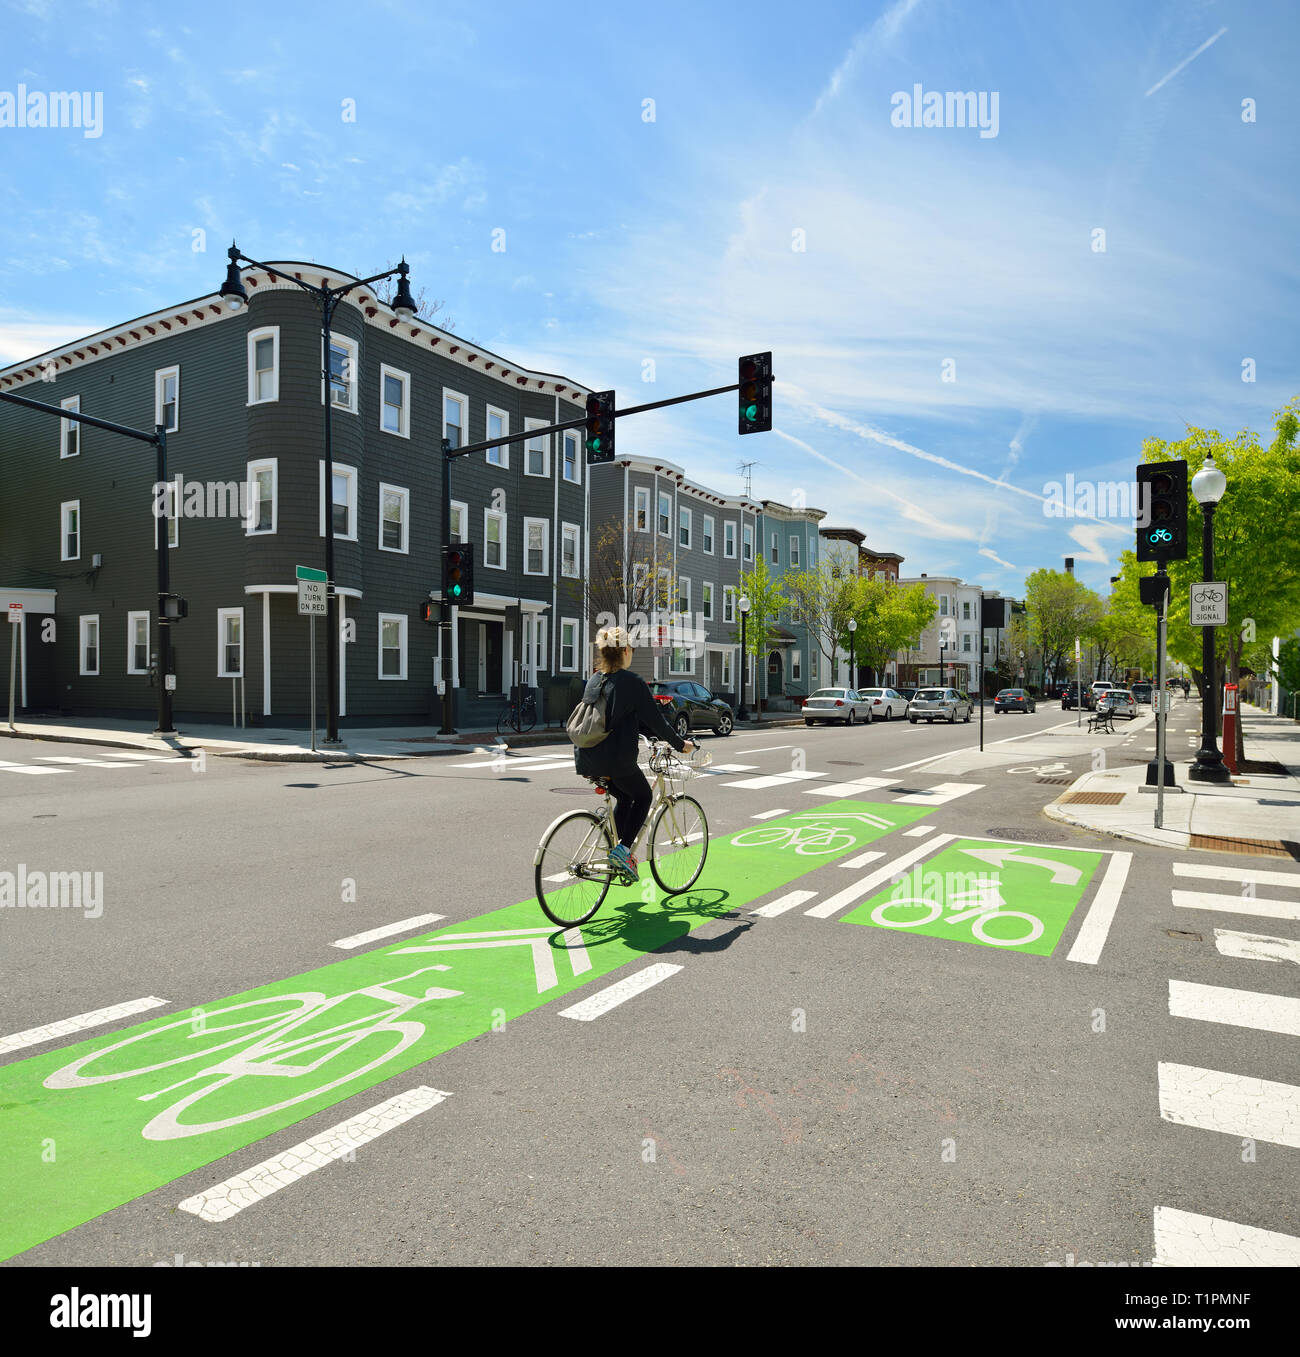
[243,396]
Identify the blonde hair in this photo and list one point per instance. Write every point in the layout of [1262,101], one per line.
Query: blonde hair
[610,644]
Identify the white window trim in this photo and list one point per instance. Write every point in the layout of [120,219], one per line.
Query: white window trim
[351,473]
[404,412]
[793,560]
[353,351]
[690,525]
[726,669]
[488,515]
[222,614]
[709,538]
[384,488]
[747,543]
[545,526]
[131,619]
[640,500]
[250,472]
[464,520]
[728,605]
[401,619]
[173,520]
[729,539]
[271,332]
[159,377]
[81,645]
[576,478]
[69,403]
[63,529]
[539,656]
[577,641]
[706,599]
[666,531]
[530,423]
[796,666]
[776,549]
[686,611]
[503,452]
[463,402]
[685,652]
[565,530]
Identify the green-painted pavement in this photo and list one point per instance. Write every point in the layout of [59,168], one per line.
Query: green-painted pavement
[91,1126]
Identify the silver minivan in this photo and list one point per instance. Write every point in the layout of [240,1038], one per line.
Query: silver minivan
[939,704]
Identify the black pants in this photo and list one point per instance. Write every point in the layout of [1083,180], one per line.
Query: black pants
[632,797]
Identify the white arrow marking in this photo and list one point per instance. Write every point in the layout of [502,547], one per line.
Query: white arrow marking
[543,954]
[1062,873]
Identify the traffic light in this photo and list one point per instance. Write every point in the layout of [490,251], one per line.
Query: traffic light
[1162,490]
[458,573]
[755,378]
[600,427]
[426,611]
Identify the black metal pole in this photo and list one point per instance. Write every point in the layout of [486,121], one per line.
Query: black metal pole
[163,531]
[448,726]
[1209,765]
[742,715]
[331,594]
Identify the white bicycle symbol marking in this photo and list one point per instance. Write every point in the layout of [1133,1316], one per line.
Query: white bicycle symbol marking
[1042,769]
[810,839]
[985,904]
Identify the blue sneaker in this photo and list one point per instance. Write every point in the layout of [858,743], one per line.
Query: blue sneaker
[624,864]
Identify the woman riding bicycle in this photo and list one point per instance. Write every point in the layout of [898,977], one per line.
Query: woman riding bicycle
[630,709]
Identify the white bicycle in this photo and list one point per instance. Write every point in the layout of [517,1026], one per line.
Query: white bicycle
[979,906]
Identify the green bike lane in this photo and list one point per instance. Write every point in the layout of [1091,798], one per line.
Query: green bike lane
[92,1126]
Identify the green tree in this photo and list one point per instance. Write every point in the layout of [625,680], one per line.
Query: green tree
[889,616]
[766,599]
[1059,609]
[822,600]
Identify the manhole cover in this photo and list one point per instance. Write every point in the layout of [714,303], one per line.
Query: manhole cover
[1033,834]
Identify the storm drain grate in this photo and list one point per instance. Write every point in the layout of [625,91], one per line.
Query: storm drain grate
[1265,848]
[1055,781]
[1092,798]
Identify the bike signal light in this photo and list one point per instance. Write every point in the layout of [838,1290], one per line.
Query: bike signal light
[755,379]
[600,427]
[1162,494]
[458,573]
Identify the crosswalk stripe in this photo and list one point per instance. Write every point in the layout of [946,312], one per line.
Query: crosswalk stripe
[1260,877]
[770,814]
[92,763]
[854,788]
[1186,1239]
[1256,946]
[1234,1104]
[509,761]
[775,779]
[940,793]
[148,758]
[619,992]
[861,860]
[1237,904]
[1095,928]
[790,901]
[387,930]
[7,767]
[919,832]
[1236,1007]
[852,894]
[33,1036]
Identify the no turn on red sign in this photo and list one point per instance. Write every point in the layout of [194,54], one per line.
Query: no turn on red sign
[15,612]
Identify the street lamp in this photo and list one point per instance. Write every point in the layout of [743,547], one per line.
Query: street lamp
[943,663]
[1208,486]
[743,604]
[853,654]
[327,298]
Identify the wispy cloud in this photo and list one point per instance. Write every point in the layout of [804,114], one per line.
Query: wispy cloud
[875,39]
[1186,61]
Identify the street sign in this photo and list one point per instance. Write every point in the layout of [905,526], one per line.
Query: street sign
[1078,654]
[1209,604]
[15,612]
[311,591]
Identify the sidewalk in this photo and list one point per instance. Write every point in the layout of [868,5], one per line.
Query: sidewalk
[1253,813]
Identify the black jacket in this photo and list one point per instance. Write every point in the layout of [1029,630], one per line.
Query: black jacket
[631,710]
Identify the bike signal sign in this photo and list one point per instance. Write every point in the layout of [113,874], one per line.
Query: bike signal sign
[1209,604]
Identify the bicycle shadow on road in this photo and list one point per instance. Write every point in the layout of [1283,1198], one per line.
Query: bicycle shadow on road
[662,924]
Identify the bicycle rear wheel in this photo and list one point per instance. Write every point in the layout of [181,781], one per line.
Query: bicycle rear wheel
[570,872]
[679,843]
[507,721]
[527,717]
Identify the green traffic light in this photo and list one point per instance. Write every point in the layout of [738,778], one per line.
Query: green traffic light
[751,413]
[595,445]
[455,591]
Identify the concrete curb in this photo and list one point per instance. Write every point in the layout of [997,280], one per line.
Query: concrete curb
[1175,838]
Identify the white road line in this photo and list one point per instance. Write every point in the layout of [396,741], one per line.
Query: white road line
[149,758]
[1256,946]
[770,814]
[1237,904]
[852,894]
[853,788]
[229,1198]
[1185,1239]
[33,1036]
[1095,929]
[620,992]
[940,793]
[861,860]
[1256,875]
[92,763]
[387,930]
[1237,1007]
[966,749]
[755,784]
[7,767]
[715,768]
[1234,1104]
[919,832]
[791,901]
[767,748]
[507,761]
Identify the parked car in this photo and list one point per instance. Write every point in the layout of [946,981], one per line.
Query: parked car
[908,693]
[939,704]
[1099,686]
[1142,692]
[885,702]
[693,707]
[1073,694]
[1014,699]
[846,705]
[1119,702]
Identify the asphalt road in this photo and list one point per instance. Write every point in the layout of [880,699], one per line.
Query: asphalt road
[800,1090]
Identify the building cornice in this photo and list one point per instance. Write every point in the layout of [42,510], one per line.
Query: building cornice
[656,466]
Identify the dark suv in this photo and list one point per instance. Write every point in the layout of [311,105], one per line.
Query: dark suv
[692,706]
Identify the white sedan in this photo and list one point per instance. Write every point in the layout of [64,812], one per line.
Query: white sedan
[845,705]
[885,702]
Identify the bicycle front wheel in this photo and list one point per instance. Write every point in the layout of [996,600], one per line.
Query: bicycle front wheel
[527,717]
[571,871]
[679,843]
[507,721]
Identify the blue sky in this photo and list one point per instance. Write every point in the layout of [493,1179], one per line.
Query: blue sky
[924,251]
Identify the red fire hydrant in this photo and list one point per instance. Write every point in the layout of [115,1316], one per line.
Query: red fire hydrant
[1230,726]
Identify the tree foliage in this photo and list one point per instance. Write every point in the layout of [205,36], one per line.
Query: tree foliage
[766,599]
[822,600]
[890,617]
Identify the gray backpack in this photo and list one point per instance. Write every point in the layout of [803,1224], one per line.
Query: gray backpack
[588,724]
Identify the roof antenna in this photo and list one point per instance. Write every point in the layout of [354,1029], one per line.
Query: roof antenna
[744,469]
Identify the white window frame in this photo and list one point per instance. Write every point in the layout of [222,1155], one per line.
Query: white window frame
[570,439]
[539,643]
[462,401]
[966,647]
[684,510]
[776,549]
[222,614]
[569,624]
[706,536]
[688,660]
[405,494]
[726,669]
[568,530]
[83,623]
[250,472]
[63,529]
[545,525]
[488,516]
[498,456]
[943,605]
[728,605]
[685,593]
[813,667]
[545,449]
[640,574]
[796,666]
[403,429]
[794,551]
[747,543]
[706,600]
[131,620]
[401,620]
[729,539]
[664,518]
[965,610]
[641,508]
[352,364]
[459,535]
[159,383]
[67,426]
[173,517]
[271,332]
[339,469]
